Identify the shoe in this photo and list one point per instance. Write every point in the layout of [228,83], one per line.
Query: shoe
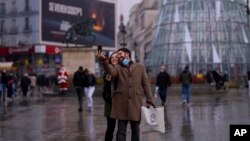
[163,104]
[80,109]
[184,102]
[89,109]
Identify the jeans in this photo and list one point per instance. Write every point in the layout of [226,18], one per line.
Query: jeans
[185,91]
[110,129]
[163,94]
[79,91]
[121,132]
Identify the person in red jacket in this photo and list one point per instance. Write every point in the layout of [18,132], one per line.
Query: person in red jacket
[62,79]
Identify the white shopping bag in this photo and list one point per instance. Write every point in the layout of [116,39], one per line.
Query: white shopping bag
[152,119]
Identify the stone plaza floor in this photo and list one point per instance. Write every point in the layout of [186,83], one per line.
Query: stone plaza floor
[57,118]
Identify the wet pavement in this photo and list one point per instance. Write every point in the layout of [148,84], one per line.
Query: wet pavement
[57,118]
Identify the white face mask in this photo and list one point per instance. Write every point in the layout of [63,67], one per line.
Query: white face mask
[125,62]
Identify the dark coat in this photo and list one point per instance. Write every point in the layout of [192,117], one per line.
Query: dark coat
[89,80]
[25,81]
[108,94]
[186,77]
[217,77]
[78,79]
[163,80]
[132,83]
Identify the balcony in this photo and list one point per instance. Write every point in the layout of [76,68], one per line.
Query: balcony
[27,29]
[13,30]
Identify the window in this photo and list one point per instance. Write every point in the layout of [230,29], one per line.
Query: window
[13,4]
[2,26]
[13,23]
[26,24]
[142,21]
[27,2]
[13,28]
[2,8]
[13,7]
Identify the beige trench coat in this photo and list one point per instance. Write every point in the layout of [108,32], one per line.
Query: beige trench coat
[132,84]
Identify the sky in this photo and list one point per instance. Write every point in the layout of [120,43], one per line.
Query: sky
[124,6]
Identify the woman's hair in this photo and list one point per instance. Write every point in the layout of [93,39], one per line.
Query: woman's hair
[111,57]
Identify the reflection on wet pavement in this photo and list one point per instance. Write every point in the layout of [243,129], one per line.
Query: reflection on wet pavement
[57,119]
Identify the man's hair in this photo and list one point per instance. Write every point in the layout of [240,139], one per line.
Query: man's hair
[126,51]
[80,68]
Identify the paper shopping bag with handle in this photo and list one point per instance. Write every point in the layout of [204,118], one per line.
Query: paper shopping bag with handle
[152,119]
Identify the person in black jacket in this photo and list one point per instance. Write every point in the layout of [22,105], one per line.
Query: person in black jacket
[162,83]
[107,96]
[217,79]
[4,83]
[78,81]
[25,82]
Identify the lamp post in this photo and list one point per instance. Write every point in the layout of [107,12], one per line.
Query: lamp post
[123,32]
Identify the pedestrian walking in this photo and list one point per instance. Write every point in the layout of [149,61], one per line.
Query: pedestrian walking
[40,84]
[132,81]
[89,88]
[163,82]
[25,83]
[11,80]
[107,96]
[209,77]
[225,79]
[186,79]
[4,83]
[33,81]
[1,88]
[78,82]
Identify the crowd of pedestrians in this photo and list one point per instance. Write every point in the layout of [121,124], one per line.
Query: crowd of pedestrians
[14,86]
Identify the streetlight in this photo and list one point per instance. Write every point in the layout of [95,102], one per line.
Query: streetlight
[123,31]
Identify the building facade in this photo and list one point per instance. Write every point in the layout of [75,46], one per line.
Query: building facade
[140,28]
[204,34]
[19,22]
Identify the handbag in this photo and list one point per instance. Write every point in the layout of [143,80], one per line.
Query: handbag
[152,119]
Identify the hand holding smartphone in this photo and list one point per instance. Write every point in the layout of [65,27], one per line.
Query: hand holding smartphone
[99,49]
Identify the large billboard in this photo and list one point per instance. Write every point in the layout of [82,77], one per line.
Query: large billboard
[57,16]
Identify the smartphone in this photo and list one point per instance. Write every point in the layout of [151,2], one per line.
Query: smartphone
[99,48]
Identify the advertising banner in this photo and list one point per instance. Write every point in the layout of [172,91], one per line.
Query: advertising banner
[57,16]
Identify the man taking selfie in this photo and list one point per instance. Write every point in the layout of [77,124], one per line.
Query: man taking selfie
[132,83]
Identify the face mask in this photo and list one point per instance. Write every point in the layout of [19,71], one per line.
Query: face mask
[125,62]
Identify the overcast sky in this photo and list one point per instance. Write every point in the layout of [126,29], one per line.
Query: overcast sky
[123,6]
